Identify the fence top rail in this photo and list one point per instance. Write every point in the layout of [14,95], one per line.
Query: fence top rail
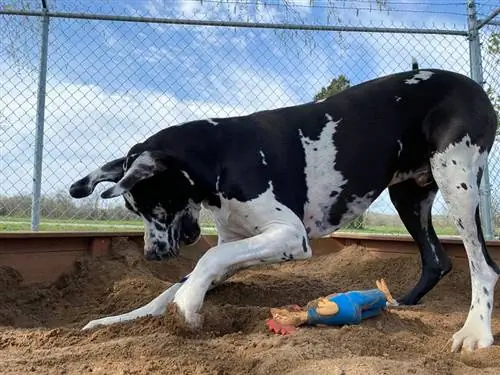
[259,25]
[489,19]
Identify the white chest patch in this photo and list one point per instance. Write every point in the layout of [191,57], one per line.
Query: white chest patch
[321,177]
[249,218]
[422,75]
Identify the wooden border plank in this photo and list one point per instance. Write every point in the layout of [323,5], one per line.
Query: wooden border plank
[44,256]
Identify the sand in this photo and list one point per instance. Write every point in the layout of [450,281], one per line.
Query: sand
[40,325]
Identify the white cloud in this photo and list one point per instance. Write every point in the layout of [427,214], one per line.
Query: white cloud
[88,124]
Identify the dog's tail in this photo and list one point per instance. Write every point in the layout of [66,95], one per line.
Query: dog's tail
[414,64]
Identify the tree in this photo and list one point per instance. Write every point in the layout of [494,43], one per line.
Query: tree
[493,47]
[335,86]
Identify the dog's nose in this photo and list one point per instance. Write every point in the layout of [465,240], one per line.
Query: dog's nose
[152,255]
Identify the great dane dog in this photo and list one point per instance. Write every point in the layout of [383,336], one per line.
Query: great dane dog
[275,179]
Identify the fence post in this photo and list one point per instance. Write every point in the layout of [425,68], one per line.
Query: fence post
[40,118]
[476,69]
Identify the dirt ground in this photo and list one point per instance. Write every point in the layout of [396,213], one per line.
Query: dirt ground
[40,326]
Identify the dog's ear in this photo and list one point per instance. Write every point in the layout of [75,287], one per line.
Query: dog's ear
[111,171]
[139,167]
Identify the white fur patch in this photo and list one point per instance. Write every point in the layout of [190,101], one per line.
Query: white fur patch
[210,121]
[400,144]
[398,98]
[321,100]
[217,183]
[422,75]
[321,177]
[249,218]
[263,157]
[188,177]
[455,170]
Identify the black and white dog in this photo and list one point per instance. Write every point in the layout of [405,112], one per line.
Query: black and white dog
[274,179]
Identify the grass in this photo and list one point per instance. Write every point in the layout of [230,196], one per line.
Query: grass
[14,224]
[389,229]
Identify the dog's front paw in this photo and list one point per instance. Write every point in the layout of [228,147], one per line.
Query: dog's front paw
[470,338]
[190,319]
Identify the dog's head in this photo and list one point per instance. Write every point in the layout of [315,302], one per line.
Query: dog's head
[156,188]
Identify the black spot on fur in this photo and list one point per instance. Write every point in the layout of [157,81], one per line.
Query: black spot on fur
[214,200]
[278,209]
[159,226]
[463,185]
[467,143]
[454,162]
[486,254]
[333,193]
[473,266]
[308,230]
[481,316]
[489,305]
[304,244]
[256,228]
[478,300]
[315,149]
[486,291]
[443,164]
[460,224]
[472,307]
[287,256]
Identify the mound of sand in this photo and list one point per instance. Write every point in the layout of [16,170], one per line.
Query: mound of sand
[40,325]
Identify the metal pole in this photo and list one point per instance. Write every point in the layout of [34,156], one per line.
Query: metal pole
[258,25]
[40,118]
[488,19]
[477,75]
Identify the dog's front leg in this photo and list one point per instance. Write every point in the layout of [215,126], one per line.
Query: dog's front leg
[159,305]
[276,244]
[154,308]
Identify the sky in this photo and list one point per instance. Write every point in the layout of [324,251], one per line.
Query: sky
[111,84]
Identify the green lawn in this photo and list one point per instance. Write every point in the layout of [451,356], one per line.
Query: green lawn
[14,224]
[8,224]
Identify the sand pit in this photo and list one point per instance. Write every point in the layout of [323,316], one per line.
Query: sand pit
[40,326]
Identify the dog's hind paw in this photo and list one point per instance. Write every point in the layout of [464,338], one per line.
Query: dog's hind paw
[471,339]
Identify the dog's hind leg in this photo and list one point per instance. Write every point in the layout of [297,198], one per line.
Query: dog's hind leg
[457,169]
[414,205]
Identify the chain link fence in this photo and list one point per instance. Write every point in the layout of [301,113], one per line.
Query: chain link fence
[490,37]
[113,80]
